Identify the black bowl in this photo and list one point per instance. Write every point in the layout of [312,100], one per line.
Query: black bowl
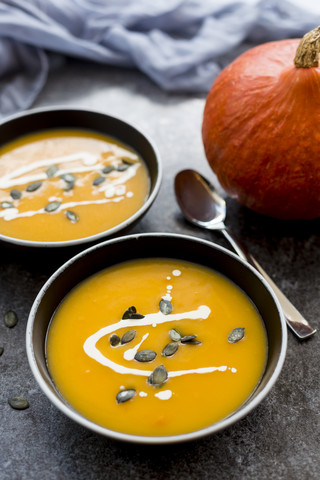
[153,245]
[48,118]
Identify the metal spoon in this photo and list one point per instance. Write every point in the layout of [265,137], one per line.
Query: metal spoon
[203,206]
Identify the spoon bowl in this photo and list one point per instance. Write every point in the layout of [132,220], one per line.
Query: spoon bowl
[199,201]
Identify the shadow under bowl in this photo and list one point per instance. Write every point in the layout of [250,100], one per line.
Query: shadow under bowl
[49,118]
[158,245]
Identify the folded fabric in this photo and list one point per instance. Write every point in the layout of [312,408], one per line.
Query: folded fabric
[180,44]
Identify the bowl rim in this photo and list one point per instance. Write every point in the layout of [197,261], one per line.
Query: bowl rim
[111,231]
[142,439]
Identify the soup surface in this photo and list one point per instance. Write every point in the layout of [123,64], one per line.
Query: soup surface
[67,184]
[196,374]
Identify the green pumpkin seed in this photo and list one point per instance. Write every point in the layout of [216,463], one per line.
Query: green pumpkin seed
[145,356]
[136,316]
[128,336]
[70,180]
[175,335]
[114,340]
[33,186]
[165,307]
[170,349]
[98,181]
[10,319]
[131,314]
[1,351]
[158,377]
[69,186]
[122,167]
[72,216]
[18,403]
[15,194]
[6,205]
[125,395]
[51,171]
[188,338]
[52,206]
[236,335]
[107,169]
[68,177]
[126,162]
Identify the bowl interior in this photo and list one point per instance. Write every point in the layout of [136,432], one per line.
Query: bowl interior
[156,245]
[59,118]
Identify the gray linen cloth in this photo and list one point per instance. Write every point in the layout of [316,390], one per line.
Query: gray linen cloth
[180,44]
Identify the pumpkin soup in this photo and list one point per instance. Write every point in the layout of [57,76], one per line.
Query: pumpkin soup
[62,185]
[156,347]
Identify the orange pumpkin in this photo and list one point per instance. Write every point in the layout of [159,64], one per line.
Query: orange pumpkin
[261,128]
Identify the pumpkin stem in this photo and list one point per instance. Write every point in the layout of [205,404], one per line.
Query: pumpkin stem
[307,54]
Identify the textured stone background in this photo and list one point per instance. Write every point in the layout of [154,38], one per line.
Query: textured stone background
[280,439]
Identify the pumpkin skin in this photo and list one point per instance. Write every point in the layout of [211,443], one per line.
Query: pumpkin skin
[261,132]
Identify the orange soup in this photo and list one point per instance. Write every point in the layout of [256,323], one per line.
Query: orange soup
[156,347]
[62,185]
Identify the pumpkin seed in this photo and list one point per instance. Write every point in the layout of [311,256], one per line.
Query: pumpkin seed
[6,205]
[165,307]
[136,316]
[122,167]
[70,180]
[114,340]
[188,338]
[125,395]
[107,169]
[128,336]
[68,177]
[33,186]
[51,171]
[98,180]
[72,216]
[52,206]
[158,377]
[170,349]
[145,356]
[69,186]
[131,314]
[15,194]
[175,335]
[126,162]
[1,351]
[18,403]
[10,319]
[236,335]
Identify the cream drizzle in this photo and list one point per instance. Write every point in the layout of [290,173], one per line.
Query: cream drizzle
[88,159]
[12,213]
[176,273]
[42,176]
[164,395]
[92,351]
[122,177]
[113,187]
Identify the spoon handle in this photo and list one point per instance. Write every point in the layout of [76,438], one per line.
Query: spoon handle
[295,320]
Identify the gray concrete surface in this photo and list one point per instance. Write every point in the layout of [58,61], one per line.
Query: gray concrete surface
[281,438]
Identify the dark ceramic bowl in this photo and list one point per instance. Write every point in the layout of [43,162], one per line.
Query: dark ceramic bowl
[33,121]
[164,245]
